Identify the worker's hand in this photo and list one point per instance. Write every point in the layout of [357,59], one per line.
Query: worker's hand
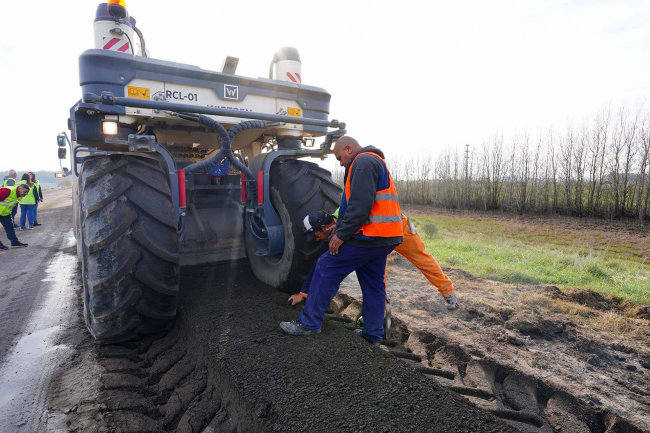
[296,299]
[335,244]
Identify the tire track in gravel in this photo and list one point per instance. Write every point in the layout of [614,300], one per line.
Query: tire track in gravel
[227,367]
[528,404]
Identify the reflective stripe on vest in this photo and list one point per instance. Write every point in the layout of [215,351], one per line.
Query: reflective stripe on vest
[29,198]
[10,202]
[385,220]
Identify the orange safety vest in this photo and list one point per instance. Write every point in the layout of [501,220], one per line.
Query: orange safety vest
[385,219]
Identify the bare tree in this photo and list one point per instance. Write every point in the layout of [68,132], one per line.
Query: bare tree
[644,169]
[601,168]
[566,164]
[533,193]
[579,156]
[523,174]
[629,150]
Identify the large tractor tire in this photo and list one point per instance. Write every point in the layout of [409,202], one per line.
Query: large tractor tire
[129,248]
[297,188]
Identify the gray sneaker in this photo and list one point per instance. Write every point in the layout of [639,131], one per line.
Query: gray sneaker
[452,301]
[296,328]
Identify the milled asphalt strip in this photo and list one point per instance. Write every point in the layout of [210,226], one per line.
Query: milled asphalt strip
[22,269]
[39,309]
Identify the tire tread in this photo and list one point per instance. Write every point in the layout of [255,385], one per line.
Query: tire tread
[130,268]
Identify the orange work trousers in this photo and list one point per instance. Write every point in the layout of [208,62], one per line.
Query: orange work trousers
[413,250]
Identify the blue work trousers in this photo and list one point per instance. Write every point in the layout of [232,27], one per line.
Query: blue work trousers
[8,225]
[27,210]
[370,266]
[36,213]
[324,247]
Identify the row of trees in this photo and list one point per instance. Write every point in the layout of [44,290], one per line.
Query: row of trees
[600,168]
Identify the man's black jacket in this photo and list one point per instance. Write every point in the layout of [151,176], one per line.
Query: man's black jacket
[363,187]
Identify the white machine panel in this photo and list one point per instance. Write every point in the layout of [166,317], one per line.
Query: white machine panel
[198,96]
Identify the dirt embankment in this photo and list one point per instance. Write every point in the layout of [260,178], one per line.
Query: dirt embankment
[571,360]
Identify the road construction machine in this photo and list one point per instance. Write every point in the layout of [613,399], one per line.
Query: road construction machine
[174,165]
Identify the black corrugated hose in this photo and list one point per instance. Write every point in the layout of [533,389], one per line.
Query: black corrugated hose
[225,152]
[226,138]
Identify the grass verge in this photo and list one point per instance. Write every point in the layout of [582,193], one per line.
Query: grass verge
[491,249]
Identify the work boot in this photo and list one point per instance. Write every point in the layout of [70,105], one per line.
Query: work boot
[452,301]
[22,228]
[2,247]
[18,245]
[296,328]
[359,333]
[37,224]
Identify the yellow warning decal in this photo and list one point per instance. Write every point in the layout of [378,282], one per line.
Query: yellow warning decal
[294,112]
[139,92]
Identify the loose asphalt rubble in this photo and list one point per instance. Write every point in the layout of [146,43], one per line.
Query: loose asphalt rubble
[227,367]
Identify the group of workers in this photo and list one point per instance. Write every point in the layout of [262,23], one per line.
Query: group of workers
[358,237]
[25,192]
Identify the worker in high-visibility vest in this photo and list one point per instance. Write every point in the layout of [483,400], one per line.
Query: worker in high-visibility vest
[10,180]
[368,229]
[9,198]
[412,249]
[27,204]
[38,195]
[319,226]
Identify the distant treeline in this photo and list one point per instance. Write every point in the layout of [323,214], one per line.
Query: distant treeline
[42,176]
[600,168]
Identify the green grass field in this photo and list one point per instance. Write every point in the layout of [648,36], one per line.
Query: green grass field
[491,249]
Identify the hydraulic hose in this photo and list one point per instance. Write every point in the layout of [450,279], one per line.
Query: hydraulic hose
[225,138]
[240,127]
[142,44]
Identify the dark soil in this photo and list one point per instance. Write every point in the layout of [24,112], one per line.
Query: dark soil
[575,346]
[593,299]
[227,367]
[522,400]
[328,382]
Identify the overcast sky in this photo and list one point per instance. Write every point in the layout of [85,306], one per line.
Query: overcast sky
[406,76]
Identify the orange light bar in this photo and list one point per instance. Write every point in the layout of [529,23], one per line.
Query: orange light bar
[117,9]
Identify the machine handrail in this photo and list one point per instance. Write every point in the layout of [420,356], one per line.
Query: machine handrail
[107,98]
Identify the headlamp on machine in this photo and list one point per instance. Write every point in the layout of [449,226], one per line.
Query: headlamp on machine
[110,127]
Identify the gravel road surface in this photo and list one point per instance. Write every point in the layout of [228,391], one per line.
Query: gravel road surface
[36,304]
[225,366]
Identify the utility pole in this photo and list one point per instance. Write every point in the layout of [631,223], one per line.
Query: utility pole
[467,176]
